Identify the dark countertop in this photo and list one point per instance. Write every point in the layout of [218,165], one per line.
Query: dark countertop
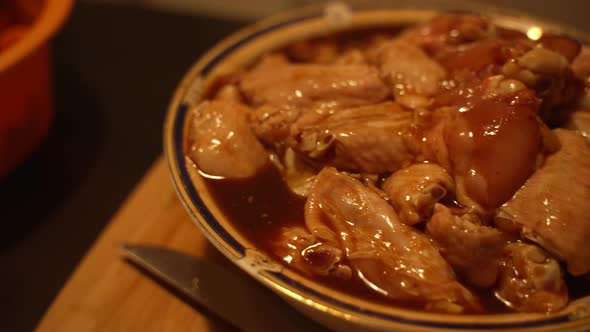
[115,70]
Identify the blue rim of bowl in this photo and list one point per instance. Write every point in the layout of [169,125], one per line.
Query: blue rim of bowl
[174,152]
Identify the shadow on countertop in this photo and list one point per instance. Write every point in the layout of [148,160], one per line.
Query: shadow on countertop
[115,69]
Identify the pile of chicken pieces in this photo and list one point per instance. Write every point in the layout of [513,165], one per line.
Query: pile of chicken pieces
[426,157]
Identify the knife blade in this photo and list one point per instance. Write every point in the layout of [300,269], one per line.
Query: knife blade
[232,296]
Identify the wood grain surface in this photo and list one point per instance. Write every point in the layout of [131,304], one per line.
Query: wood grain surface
[105,293]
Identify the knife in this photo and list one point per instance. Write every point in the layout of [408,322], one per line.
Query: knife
[232,296]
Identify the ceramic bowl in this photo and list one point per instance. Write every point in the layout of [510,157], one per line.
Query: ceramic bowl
[333,309]
[26,93]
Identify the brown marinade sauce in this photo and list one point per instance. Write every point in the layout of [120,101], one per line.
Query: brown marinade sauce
[260,206]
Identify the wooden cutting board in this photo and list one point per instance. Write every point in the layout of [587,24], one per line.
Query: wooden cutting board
[107,294]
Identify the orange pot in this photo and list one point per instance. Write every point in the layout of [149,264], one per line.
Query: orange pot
[26,91]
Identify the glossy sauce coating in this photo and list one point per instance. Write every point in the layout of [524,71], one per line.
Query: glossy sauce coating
[261,206]
[493,141]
